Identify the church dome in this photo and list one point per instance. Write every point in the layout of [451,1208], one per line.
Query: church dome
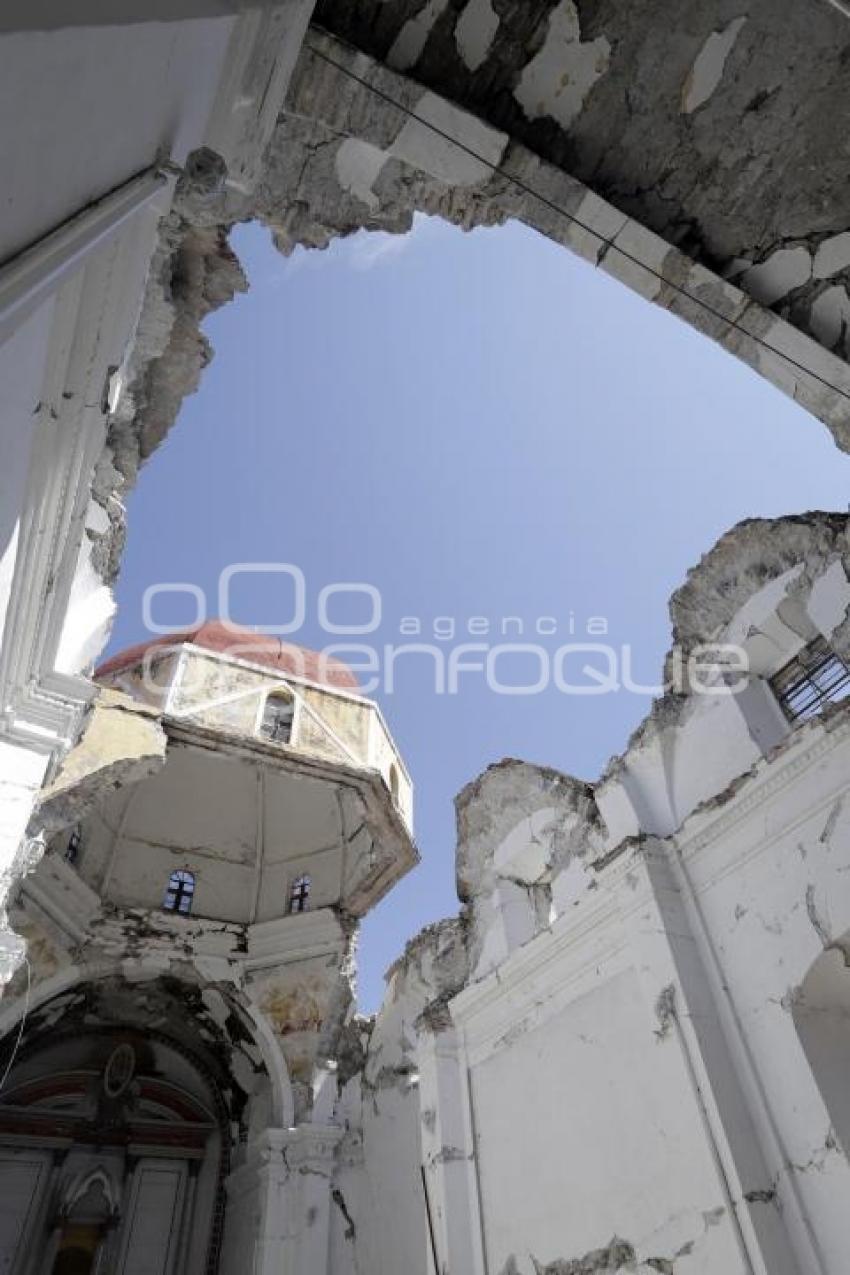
[244,644]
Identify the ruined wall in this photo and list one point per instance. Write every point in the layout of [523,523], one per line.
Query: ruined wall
[722,131]
[360,145]
[380,1223]
[702,160]
[626,1053]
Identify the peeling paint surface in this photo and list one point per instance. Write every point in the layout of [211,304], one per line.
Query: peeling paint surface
[559,78]
[411,40]
[474,32]
[784,270]
[832,256]
[707,71]
[831,317]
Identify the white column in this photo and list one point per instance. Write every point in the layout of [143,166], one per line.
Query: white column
[309,1151]
[257,1234]
[278,1204]
[685,1013]
[449,1153]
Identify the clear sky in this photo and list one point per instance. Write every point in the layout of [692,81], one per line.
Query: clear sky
[479,425]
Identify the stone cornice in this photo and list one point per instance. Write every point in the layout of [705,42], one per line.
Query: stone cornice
[703,828]
[547,973]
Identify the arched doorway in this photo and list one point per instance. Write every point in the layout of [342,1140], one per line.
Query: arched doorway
[115,1141]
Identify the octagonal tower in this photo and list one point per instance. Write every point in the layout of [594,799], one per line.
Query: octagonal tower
[234,808]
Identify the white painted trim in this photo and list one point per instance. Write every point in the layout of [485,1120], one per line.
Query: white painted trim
[42,268]
[94,312]
[445,1089]
[331,734]
[177,672]
[259,842]
[294,937]
[768,1126]
[53,907]
[297,713]
[376,709]
[558,965]
[800,753]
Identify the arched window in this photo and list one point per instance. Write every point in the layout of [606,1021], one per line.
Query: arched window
[299,894]
[394,782]
[278,712]
[75,842]
[180,892]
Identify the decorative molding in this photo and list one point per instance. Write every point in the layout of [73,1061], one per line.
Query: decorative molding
[46,714]
[547,973]
[95,267]
[31,275]
[63,897]
[771,778]
[298,937]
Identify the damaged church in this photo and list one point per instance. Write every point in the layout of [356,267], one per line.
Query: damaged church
[629,1050]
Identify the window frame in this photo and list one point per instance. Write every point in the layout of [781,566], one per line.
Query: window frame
[183,876]
[303,899]
[74,846]
[803,686]
[282,692]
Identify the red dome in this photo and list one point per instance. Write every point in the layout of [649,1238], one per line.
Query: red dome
[243,644]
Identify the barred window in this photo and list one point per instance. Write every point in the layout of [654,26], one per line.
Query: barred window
[816,676]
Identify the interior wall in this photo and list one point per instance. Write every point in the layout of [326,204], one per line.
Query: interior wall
[587,1129]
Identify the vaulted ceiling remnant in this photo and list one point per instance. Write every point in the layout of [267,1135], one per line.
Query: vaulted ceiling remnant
[724,130]
[702,162]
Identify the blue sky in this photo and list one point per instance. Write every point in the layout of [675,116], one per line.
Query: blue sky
[479,425]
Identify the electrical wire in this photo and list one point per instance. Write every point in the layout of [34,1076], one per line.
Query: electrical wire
[604,243]
[14,1054]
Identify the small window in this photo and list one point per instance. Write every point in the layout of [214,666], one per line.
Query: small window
[278,713]
[816,676]
[299,894]
[180,892]
[394,782]
[74,846]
